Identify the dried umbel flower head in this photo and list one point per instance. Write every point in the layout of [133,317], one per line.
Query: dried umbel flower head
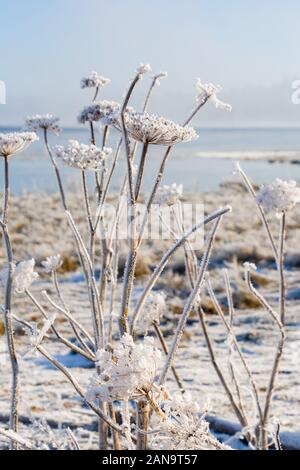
[52,263]
[45,122]
[157,78]
[153,310]
[184,428]
[279,196]
[15,142]
[142,69]
[155,130]
[94,80]
[102,111]
[82,156]
[208,91]
[169,195]
[23,276]
[131,368]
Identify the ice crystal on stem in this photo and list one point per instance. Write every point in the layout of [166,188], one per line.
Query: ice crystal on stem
[15,142]
[82,156]
[94,80]
[52,263]
[131,368]
[279,196]
[156,130]
[169,195]
[209,91]
[43,122]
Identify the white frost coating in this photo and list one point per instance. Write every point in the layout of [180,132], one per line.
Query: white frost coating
[15,142]
[209,91]
[43,122]
[279,196]
[131,367]
[82,156]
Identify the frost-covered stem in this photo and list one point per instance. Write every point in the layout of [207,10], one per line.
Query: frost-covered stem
[163,262]
[126,424]
[143,421]
[165,350]
[91,282]
[83,254]
[96,94]
[74,323]
[61,338]
[265,223]
[79,390]
[17,439]
[141,170]
[281,268]
[93,142]
[57,174]
[277,360]
[132,254]
[232,335]
[189,304]
[195,111]
[153,83]
[115,434]
[91,229]
[7,309]
[242,419]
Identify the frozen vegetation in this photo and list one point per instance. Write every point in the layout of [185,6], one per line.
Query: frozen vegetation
[130,342]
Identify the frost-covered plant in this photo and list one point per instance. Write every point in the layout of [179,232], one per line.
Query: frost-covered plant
[169,195]
[126,373]
[209,91]
[52,263]
[154,309]
[183,427]
[156,130]
[23,276]
[45,122]
[127,367]
[82,156]
[102,111]
[12,143]
[279,196]
[94,80]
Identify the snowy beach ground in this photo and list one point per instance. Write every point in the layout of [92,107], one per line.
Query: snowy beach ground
[38,229]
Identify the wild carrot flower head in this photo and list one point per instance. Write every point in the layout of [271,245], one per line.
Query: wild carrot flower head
[15,142]
[52,263]
[279,196]
[98,112]
[43,122]
[154,309]
[131,367]
[82,156]
[183,427]
[169,195]
[94,80]
[23,276]
[155,130]
[208,91]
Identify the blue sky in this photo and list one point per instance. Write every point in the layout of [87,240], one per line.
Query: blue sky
[249,47]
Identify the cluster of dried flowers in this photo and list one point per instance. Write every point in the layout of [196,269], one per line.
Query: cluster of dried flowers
[129,366]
